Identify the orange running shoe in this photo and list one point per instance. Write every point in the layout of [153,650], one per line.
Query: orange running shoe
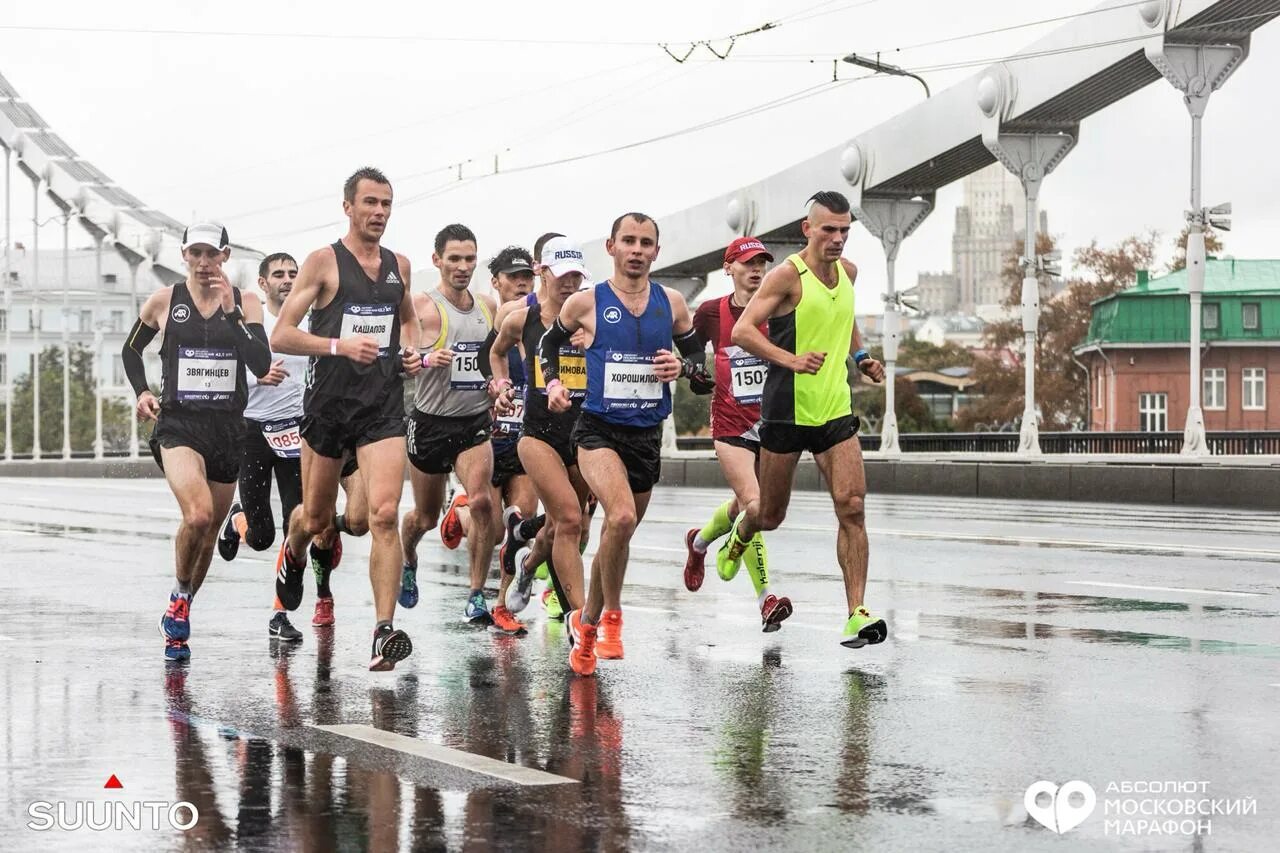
[694,562]
[324,613]
[451,527]
[505,622]
[609,645]
[582,644]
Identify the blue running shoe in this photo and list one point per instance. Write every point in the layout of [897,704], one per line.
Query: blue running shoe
[409,586]
[176,650]
[477,610]
[175,624]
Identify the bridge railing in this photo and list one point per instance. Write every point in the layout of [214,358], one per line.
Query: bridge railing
[1241,443]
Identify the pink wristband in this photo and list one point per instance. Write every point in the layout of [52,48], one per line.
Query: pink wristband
[554,383]
[333,346]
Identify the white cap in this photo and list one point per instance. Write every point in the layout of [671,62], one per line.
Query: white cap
[562,256]
[206,233]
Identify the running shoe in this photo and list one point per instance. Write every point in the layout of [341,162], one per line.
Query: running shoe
[511,521]
[521,589]
[729,557]
[451,527]
[176,650]
[390,646]
[409,586]
[229,538]
[506,623]
[551,602]
[609,643]
[477,610]
[508,554]
[863,629]
[582,644]
[175,624]
[773,611]
[288,578]
[281,628]
[694,569]
[324,613]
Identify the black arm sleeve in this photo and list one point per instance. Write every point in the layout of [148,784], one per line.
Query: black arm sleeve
[549,350]
[252,345]
[140,336]
[486,369]
[690,344]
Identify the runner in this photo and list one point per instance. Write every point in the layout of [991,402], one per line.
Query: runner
[546,447]
[631,322]
[450,424]
[358,293]
[211,333]
[273,448]
[808,304]
[735,411]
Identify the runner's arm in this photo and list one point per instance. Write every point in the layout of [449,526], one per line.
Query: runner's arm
[287,338]
[409,326]
[862,359]
[503,340]
[774,298]
[144,331]
[250,335]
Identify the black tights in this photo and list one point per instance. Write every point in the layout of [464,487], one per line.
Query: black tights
[256,468]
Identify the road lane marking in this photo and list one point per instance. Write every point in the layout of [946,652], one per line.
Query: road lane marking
[1165,588]
[526,776]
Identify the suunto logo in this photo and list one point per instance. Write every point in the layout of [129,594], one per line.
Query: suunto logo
[612,314]
[180,313]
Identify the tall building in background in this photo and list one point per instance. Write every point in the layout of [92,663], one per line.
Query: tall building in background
[988,225]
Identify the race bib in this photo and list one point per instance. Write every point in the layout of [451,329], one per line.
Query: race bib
[512,424]
[374,321]
[283,438]
[206,375]
[630,381]
[464,371]
[573,372]
[746,374]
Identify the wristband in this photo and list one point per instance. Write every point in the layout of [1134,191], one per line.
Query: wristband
[333,346]
[861,356]
[554,383]
[504,383]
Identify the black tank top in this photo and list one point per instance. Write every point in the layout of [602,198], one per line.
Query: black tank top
[573,373]
[360,307]
[202,370]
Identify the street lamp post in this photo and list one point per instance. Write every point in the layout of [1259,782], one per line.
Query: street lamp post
[66,335]
[37,319]
[8,319]
[885,68]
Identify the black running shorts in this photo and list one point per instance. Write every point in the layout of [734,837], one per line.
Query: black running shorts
[739,441]
[435,442]
[561,441]
[335,431]
[506,464]
[639,448]
[217,436]
[781,438]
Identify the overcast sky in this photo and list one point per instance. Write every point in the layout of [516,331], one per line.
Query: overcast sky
[232,114]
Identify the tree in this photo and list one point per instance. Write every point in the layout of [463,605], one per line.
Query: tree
[1061,384]
[913,413]
[115,412]
[1212,244]
[692,411]
[922,355]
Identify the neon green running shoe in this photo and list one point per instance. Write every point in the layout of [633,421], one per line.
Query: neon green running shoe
[863,629]
[542,573]
[729,557]
[551,601]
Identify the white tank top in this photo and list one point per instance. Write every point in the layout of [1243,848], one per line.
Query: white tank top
[283,401]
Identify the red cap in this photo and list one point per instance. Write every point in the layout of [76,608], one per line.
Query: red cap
[744,249]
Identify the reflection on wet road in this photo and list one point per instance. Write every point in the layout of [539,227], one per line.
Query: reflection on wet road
[1028,642]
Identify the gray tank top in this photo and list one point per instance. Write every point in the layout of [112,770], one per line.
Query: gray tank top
[457,390]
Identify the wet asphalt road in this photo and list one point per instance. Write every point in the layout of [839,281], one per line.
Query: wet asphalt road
[1028,641]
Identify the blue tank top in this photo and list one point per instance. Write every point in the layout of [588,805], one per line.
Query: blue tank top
[622,387]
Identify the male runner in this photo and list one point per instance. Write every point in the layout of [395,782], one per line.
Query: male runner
[361,307]
[808,303]
[631,322]
[735,411]
[450,424]
[211,333]
[273,448]
[546,446]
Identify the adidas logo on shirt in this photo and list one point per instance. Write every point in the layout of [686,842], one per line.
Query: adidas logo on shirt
[392,278]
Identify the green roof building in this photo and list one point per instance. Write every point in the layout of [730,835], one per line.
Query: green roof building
[1136,350]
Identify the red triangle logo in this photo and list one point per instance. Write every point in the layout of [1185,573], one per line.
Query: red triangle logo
[113,782]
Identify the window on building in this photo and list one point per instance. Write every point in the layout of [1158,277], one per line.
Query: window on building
[109,278]
[1209,316]
[1254,393]
[117,371]
[117,322]
[1153,412]
[1100,390]
[1251,316]
[4,319]
[4,368]
[1215,388]
[86,321]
